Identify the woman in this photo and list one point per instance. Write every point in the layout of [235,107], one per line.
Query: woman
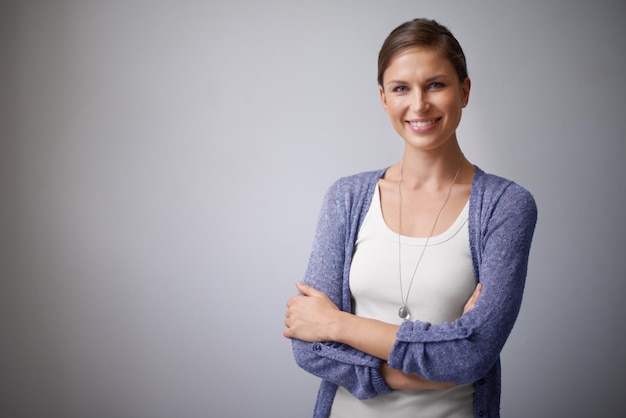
[417,271]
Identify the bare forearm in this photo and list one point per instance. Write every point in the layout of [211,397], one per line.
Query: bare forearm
[313,317]
[377,338]
[396,379]
[371,336]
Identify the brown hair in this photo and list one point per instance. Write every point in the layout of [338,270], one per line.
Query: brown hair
[422,33]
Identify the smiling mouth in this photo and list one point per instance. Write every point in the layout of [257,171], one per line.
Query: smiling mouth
[423,124]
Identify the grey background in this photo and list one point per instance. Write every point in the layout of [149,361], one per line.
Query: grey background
[162,164]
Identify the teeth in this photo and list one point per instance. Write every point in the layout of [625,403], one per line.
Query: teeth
[422,124]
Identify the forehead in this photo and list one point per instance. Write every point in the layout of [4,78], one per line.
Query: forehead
[419,61]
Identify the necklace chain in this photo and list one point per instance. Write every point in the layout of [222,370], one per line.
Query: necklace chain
[404,311]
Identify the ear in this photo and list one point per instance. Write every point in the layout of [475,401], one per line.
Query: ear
[465,91]
[383,97]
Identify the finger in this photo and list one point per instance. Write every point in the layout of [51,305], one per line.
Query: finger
[287,333]
[306,290]
[471,302]
[477,292]
[293,301]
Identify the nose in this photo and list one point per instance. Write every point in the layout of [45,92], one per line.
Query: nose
[419,102]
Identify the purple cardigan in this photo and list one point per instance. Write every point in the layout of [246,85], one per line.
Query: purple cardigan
[502,218]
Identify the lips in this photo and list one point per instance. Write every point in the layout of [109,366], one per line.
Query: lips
[423,124]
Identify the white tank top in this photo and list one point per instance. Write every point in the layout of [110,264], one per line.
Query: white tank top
[442,285]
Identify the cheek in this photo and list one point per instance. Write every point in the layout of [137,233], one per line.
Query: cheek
[395,106]
[453,104]
[395,111]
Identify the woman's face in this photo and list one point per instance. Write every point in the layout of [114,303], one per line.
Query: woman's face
[422,94]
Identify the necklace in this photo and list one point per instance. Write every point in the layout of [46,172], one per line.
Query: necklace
[404,312]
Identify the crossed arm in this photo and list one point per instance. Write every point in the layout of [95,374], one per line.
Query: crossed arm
[313,317]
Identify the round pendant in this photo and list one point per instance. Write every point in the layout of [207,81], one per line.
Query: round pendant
[404,313]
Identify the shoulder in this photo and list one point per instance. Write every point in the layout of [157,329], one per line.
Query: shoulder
[349,197]
[355,181]
[492,193]
[356,185]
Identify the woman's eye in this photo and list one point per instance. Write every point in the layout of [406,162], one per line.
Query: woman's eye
[400,89]
[436,85]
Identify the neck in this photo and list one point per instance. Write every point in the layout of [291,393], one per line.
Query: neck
[434,169]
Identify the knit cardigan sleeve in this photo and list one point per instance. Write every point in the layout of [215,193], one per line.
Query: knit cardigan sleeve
[327,271]
[502,222]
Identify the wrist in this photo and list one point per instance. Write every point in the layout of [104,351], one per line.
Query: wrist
[338,327]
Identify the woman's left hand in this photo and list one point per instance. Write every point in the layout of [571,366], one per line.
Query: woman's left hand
[310,317]
[471,302]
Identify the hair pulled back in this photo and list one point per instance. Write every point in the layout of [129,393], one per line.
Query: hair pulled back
[422,33]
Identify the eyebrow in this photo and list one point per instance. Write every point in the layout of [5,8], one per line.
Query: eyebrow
[395,82]
[428,80]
